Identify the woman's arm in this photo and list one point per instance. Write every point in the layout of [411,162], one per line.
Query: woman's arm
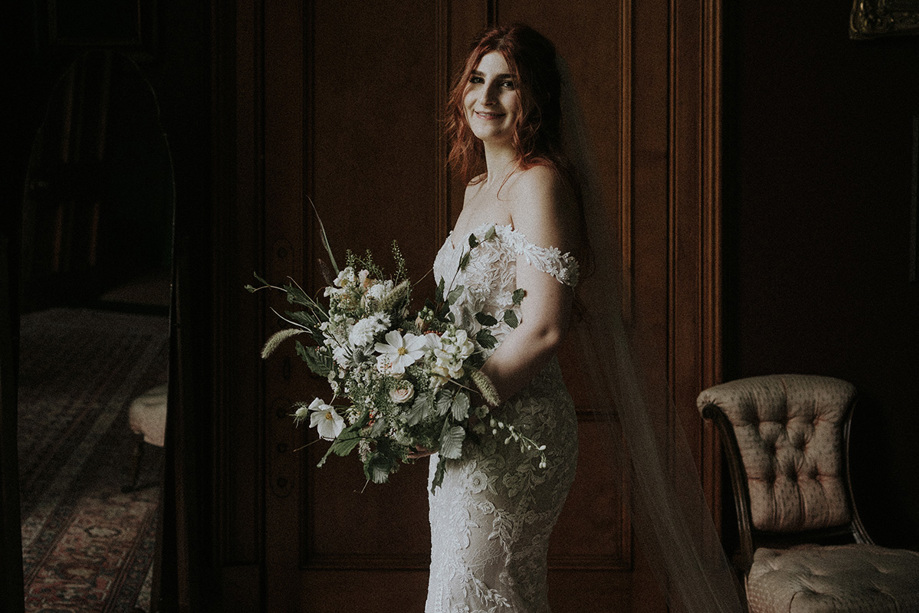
[542,210]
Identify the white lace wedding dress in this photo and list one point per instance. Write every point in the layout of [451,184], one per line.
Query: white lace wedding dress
[491,518]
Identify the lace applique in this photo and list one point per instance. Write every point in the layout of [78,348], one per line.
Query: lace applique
[550,260]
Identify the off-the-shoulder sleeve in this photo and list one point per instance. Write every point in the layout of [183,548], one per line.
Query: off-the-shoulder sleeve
[550,260]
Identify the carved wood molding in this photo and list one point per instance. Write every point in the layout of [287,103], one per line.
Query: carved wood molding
[695,242]
[626,200]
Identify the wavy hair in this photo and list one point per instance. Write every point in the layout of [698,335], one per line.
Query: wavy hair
[537,133]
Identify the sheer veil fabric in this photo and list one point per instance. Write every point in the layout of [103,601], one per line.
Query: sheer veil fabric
[670,516]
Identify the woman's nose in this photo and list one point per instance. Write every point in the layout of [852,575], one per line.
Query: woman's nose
[490,95]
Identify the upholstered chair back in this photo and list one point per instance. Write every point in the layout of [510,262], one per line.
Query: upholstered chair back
[790,431]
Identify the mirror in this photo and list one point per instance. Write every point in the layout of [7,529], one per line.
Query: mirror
[96,260]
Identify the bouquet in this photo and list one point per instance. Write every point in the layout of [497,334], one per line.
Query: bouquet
[400,380]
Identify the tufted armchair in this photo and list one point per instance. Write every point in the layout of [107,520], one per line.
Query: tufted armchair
[803,547]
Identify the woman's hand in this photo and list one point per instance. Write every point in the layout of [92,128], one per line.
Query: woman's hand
[420,452]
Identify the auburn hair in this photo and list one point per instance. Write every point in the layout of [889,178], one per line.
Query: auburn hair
[538,130]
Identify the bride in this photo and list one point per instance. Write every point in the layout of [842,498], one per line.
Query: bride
[531,202]
[492,517]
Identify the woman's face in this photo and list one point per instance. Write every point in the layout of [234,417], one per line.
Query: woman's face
[491,101]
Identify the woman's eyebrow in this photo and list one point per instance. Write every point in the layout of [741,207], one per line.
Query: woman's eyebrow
[505,75]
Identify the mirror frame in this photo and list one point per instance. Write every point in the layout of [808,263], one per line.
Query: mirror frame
[876,18]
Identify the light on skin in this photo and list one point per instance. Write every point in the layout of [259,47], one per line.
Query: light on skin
[537,203]
[491,100]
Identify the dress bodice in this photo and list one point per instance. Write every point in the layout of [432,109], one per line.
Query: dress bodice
[489,278]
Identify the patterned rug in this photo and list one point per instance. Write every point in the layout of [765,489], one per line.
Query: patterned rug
[86,545]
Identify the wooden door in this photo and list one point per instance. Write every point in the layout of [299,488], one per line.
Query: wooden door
[340,101]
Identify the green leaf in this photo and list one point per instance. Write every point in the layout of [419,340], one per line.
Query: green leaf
[319,364]
[378,468]
[454,294]
[464,261]
[296,295]
[441,287]
[451,442]
[423,404]
[439,473]
[489,234]
[460,406]
[486,339]
[305,318]
[325,238]
[519,295]
[510,318]
[444,402]
[345,443]
[473,241]
[378,428]
[485,319]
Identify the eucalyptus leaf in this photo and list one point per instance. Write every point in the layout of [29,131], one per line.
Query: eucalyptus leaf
[473,241]
[464,261]
[510,318]
[489,234]
[518,295]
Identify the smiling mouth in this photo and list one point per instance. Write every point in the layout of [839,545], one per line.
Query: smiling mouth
[488,116]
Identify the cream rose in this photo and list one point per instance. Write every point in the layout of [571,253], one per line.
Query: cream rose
[403,392]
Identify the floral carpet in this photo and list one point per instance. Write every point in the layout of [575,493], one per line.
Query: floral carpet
[87,546]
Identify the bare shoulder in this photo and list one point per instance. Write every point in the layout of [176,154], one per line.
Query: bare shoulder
[543,207]
[539,183]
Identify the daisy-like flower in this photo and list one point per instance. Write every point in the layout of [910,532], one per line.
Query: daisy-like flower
[401,351]
[323,417]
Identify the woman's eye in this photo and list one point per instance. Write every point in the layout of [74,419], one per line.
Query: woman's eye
[476,80]
[507,84]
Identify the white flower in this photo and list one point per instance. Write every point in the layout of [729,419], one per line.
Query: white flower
[403,392]
[342,356]
[378,290]
[384,365]
[453,349]
[323,417]
[362,333]
[345,277]
[439,377]
[401,351]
